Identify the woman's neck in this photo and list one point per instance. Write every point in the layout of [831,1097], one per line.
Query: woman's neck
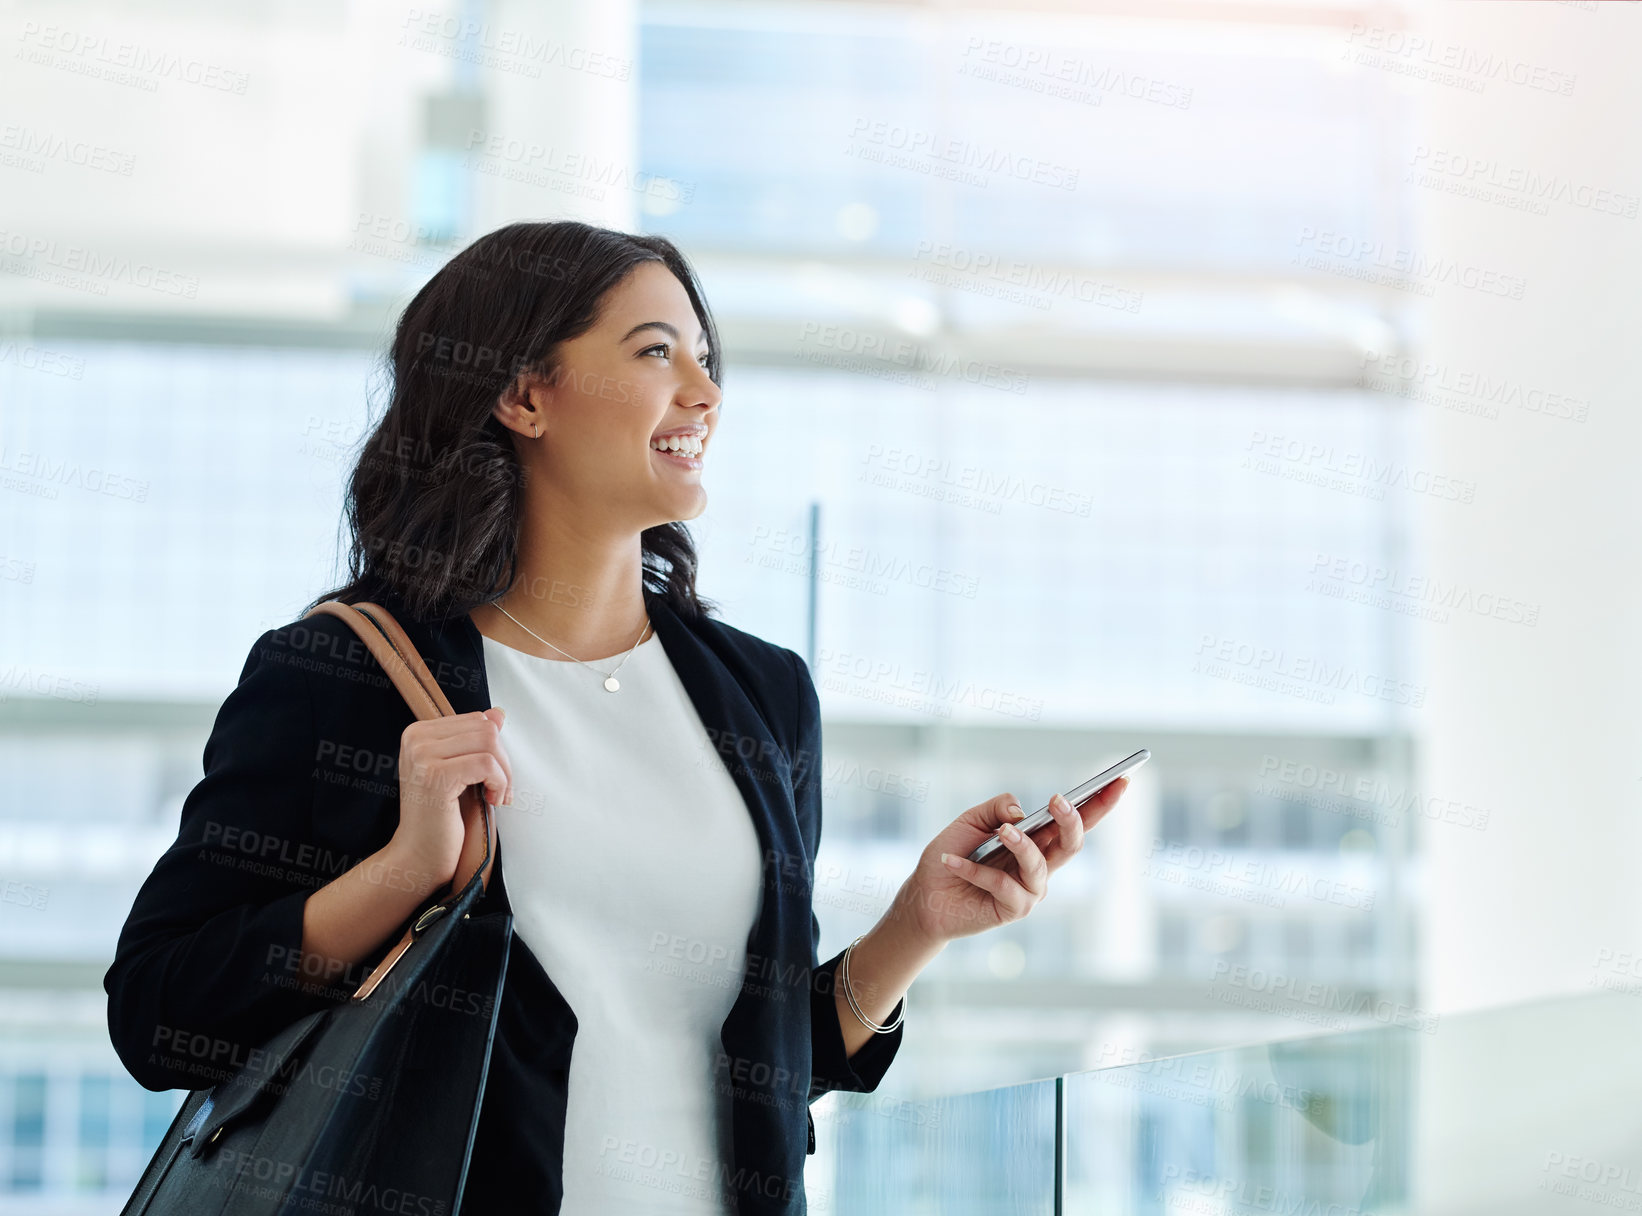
[585,597]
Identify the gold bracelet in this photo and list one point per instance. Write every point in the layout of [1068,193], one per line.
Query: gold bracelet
[855,1008]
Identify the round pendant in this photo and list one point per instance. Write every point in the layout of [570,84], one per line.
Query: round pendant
[611,684]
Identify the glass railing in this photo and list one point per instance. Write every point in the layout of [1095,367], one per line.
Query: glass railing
[1533,1109]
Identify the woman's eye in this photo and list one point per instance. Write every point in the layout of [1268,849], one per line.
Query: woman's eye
[704,360]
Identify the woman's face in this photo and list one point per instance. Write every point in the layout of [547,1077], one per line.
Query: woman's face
[636,380]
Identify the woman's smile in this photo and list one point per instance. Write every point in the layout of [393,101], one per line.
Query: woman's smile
[682,446]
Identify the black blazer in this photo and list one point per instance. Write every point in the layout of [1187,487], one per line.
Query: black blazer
[301,784]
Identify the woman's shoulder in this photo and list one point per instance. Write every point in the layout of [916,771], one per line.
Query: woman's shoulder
[770,660]
[323,652]
[287,652]
[315,643]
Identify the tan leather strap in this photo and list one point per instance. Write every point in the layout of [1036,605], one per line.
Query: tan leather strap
[478,843]
[392,648]
[403,646]
[392,658]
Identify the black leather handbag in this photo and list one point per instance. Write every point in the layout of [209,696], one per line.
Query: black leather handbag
[371,1105]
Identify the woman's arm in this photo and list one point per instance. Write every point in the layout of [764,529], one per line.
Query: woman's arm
[208,961]
[844,1053]
[243,927]
[946,896]
[348,920]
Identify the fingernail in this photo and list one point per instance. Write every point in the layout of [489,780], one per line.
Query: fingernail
[1010,832]
[1015,810]
[950,860]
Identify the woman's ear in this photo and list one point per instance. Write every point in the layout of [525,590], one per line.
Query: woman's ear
[523,404]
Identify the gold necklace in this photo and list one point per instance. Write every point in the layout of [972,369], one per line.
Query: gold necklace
[611,684]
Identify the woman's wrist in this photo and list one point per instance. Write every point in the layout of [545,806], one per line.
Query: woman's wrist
[404,864]
[908,921]
[882,965]
[895,949]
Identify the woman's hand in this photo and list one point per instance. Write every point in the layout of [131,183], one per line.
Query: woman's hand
[438,759]
[958,900]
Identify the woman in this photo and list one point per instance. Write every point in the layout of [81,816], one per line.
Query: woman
[518,508]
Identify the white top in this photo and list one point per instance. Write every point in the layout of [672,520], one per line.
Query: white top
[632,866]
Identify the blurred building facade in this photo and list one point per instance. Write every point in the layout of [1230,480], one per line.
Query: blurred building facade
[1069,410]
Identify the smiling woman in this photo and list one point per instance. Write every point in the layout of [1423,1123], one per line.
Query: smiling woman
[665,1018]
[540,360]
[616,414]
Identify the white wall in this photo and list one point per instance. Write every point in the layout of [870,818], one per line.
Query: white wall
[1541,724]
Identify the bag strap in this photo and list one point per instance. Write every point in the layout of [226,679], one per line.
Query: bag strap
[393,649]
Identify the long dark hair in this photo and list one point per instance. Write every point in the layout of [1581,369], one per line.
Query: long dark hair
[434,501]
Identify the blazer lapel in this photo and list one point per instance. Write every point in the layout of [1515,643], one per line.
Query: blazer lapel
[766,1063]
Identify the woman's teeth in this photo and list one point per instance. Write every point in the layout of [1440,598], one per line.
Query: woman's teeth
[684,445]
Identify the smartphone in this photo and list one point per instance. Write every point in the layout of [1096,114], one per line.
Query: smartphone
[1077,796]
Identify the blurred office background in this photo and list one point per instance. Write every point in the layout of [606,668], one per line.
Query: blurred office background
[1250,381]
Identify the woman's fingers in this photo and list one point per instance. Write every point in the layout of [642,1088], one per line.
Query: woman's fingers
[501,753]
[1093,810]
[467,734]
[1015,895]
[469,737]
[477,767]
[1034,869]
[1008,893]
[1069,826]
[987,815]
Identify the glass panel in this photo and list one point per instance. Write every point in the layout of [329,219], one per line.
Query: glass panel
[980,1154]
[92,1174]
[28,1131]
[159,1109]
[1530,1109]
